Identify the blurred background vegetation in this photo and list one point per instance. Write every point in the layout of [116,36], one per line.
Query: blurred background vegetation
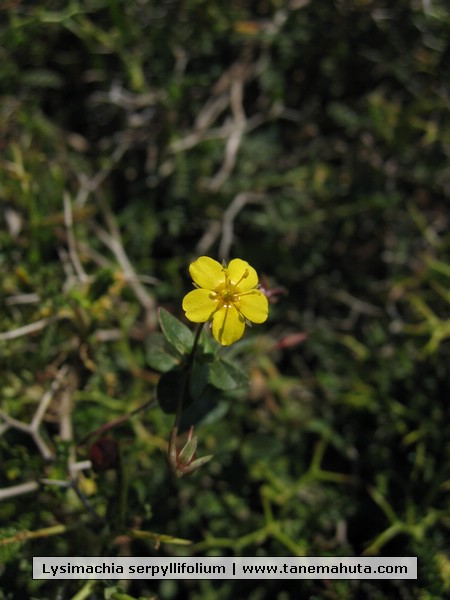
[311,139]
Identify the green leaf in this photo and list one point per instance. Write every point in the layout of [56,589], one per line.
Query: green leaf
[199,409]
[199,462]
[175,332]
[225,376]
[169,387]
[187,452]
[208,343]
[198,379]
[161,355]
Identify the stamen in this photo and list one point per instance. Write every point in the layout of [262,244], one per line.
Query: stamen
[227,277]
[244,276]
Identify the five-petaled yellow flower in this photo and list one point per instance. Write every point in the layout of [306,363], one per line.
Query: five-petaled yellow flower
[227,296]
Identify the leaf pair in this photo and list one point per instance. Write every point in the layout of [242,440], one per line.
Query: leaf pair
[196,378]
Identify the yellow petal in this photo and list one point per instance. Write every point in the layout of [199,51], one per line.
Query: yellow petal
[228,325]
[242,275]
[254,306]
[207,273]
[199,305]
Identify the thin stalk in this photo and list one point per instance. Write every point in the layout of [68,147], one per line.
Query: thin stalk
[190,360]
[172,453]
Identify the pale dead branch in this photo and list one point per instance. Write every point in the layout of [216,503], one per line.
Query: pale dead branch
[22,299]
[229,217]
[26,329]
[71,243]
[33,429]
[113,241]
[18,490]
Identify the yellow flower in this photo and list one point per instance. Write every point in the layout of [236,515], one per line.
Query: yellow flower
[227,296]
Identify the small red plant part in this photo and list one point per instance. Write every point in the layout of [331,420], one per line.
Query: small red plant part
[104,454]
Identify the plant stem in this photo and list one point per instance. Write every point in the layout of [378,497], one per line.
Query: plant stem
[195,344]
[190,360]
[179,408]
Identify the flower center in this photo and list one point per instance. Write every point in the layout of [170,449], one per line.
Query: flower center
[227,293]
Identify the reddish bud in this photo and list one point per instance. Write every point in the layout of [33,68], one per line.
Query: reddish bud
[291,339]
[104,454]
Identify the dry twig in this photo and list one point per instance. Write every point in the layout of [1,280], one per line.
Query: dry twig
[33,428]
[73,253]
[113,241]
[229,217]
[26,329]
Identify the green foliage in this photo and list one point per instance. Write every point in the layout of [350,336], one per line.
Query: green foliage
[309,138]
[177,334]
[200,371]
